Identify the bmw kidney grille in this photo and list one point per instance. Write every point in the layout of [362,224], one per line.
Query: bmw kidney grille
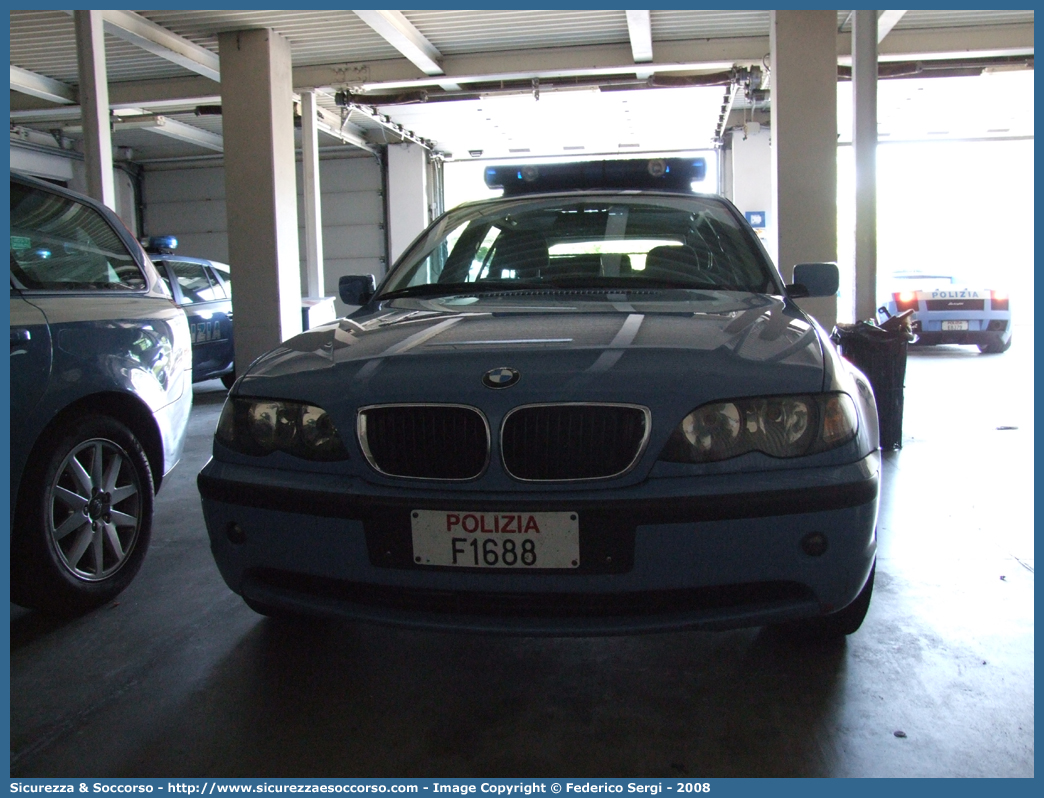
[563,442]
[539,443]
[425,441]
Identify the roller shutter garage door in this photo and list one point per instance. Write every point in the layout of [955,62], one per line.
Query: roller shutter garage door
[188,201]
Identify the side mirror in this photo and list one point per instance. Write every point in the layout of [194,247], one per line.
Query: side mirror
[356,289]
[814,279]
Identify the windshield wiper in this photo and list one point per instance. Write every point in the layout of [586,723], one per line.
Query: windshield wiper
[457,289]
[633,283]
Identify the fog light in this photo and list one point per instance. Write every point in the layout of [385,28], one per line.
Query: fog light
[814,544]
[234,532]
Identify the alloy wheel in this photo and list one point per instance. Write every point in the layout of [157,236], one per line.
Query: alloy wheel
[94,509]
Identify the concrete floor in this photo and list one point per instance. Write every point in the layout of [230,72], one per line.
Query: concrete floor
[180,678]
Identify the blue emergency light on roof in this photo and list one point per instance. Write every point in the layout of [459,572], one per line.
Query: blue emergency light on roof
[658,174]
[161,244]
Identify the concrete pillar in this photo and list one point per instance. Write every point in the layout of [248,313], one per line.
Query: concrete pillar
[407,196]
[803,47]
[94,105]
[864,143]
[260,189]
[312,201]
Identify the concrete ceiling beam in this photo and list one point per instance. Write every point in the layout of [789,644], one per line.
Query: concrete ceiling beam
[587,61]
[187,91]
[156,39]
[401,34]
[990,41]
[164,126]
[675,56]
[692,56]
[180,131]
[639,29]
[41,86]
[887,20]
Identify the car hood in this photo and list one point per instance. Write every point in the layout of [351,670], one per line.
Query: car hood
[565,345]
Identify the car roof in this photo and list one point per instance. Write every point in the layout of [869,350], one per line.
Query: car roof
[222,267]
[35,182]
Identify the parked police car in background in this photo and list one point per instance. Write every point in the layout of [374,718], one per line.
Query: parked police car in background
[100,398]
[203,288]
[948,311]
[590,406]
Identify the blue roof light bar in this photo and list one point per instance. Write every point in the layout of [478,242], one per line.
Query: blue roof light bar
[662,174]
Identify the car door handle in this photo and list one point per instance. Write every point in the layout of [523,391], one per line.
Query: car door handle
[20,336]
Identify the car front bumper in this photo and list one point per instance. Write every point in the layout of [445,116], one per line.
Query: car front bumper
[963,337]
[668,554]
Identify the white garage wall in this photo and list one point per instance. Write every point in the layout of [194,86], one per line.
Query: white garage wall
[70,171]
[188,201]
[353,220]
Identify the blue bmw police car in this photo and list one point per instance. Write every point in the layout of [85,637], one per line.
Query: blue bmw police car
[590,406]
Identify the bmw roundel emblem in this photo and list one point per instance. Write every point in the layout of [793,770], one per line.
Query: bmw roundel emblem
[500,378]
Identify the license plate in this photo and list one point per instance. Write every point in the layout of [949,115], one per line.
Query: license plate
[954,325]
[465,539]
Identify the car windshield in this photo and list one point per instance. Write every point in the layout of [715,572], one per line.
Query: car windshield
[618,242]
[59,244]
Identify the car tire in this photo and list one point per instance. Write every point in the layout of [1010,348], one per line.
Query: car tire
[228,380]
[84,517]
[838,624]
[997,348]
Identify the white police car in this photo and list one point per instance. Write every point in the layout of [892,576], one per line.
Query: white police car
[203,288]
[948,311]
[100,373]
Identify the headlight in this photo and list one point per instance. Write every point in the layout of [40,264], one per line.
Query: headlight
[779,426]
[262,426]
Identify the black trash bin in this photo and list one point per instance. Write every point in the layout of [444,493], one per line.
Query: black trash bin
[881,355]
